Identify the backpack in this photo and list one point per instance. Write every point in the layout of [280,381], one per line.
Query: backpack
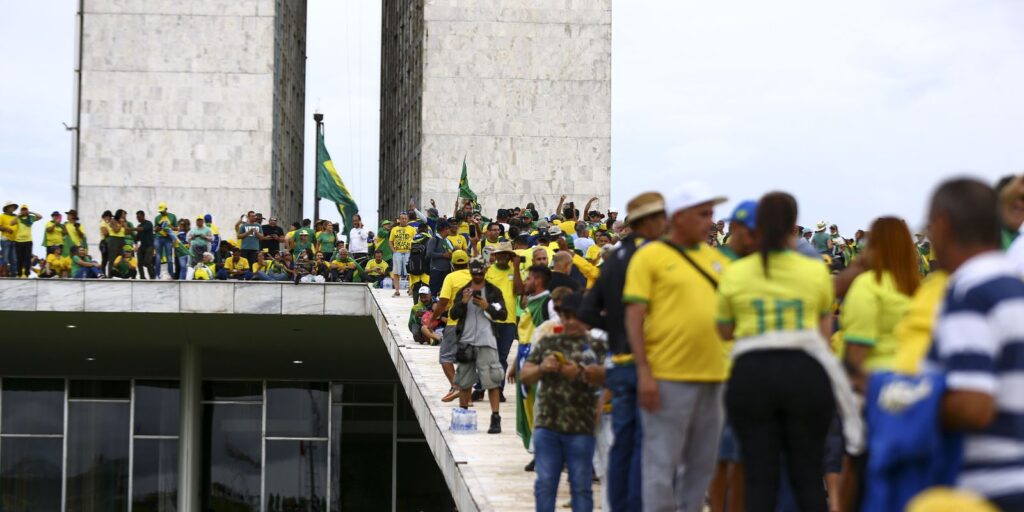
[418,263]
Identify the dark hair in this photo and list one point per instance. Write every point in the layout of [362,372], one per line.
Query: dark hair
[423,228]
[972,208]
[513,231]
[1003,182]
[522,240]
[776,216]
[119,213]
[442,224]
[106,213]
[140,212]
[544,273]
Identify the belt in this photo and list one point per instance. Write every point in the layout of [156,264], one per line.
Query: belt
[622,359]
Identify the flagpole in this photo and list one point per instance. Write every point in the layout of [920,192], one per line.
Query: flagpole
[319,118]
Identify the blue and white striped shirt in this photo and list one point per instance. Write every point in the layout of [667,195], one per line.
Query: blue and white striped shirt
[979,345]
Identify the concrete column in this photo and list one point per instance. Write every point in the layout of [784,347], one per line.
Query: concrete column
[190,441]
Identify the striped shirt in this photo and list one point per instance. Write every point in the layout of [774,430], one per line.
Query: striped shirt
[979,345]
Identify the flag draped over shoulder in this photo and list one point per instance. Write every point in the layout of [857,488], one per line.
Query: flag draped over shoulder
[330,186]
[464,191]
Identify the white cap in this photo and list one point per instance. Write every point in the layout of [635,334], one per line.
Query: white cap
[424,290]
[690,194]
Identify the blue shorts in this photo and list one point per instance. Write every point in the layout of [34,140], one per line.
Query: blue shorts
[399,260]
[729,447]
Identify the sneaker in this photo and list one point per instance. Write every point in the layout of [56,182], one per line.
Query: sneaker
[478,394]
[495,424]
[529,467]
[453,393]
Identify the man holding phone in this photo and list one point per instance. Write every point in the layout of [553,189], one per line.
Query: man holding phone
[249,234]
[478,306]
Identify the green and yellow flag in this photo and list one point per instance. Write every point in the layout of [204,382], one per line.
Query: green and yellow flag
[329,184]
[464,191]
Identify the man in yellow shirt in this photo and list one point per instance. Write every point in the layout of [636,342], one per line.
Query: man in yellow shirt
[670,323]
[506,275]
[401,243]
[376,268]
[235,267]
[54,232]
[9,230]
[453,282]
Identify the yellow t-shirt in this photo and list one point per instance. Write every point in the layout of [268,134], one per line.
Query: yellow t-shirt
[56,262]
[376,269]
[463,229]
[593,252]
[452,284]
[458,242]
[10,222]
[25,230]
[115,229]
[680,334]
[568,227]
[241,264]
[504,279]
[131,261]
[401,238]
[57,236]
[794,295]
[870,312]
[914,331]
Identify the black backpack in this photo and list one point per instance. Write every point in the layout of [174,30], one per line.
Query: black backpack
[418,258]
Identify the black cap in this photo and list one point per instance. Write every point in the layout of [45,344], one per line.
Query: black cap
[572,302]
[476,267]
[54,213]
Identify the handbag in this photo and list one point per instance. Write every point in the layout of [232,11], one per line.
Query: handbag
[465,353]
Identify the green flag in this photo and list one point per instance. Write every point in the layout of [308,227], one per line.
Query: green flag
[330,186]
[464,191]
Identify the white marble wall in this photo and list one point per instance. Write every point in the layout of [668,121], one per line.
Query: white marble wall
[522,88]
[224,297]
[177,105]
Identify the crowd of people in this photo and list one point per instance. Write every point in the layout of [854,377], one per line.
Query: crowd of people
[745,364]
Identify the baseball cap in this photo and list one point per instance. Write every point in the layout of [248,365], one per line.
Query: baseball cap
[746,214]
[424,290]
[690,194]
[459,257]
[209,218]
[162,207]
[54,213]
[476,266]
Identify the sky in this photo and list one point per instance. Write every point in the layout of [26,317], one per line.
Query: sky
[857,108]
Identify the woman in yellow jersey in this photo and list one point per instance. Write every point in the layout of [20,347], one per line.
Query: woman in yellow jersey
[116,230]
[878,299]
[779,398]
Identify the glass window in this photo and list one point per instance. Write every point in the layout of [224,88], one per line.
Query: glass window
[232,456]
[420,483]
[297,409]
[97,463]
[100,389]
[32,406]
[30,473]
[364,392]
[296,476]
[233,391]
[156,408]
[155,475]
[361,458]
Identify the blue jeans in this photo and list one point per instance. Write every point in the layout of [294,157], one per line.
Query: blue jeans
[552,451]
[182,268]
[87,273]
[624,492]
[164,247]
[9,258]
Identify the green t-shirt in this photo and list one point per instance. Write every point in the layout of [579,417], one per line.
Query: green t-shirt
[251,242]
[76,264]
[327,241]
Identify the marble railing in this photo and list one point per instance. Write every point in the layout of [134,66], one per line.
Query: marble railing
[139,296]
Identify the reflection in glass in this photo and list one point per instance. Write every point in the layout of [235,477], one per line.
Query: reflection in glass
[100,389]
[364,392]
[362,460]
[420,483]
[155,475]
[156,408]
[231,457]
[296,476]
[233,391]
[30,474]
[297,409]
[32,406]
[97,466]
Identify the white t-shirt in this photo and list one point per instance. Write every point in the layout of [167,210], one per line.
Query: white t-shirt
[358,240]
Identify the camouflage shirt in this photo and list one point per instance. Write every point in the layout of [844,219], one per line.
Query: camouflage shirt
[563,405]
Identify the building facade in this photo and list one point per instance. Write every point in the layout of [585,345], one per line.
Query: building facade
[520,88]
[197,103]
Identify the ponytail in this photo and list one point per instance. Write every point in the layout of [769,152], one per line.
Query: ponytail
[776,216]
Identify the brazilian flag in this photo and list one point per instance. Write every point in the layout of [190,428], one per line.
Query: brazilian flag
[330,186]
[464,191]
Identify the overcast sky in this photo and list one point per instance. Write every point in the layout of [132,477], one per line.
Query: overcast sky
[857,108]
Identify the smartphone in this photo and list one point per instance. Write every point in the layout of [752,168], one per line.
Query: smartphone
[478,293]
[472,230]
